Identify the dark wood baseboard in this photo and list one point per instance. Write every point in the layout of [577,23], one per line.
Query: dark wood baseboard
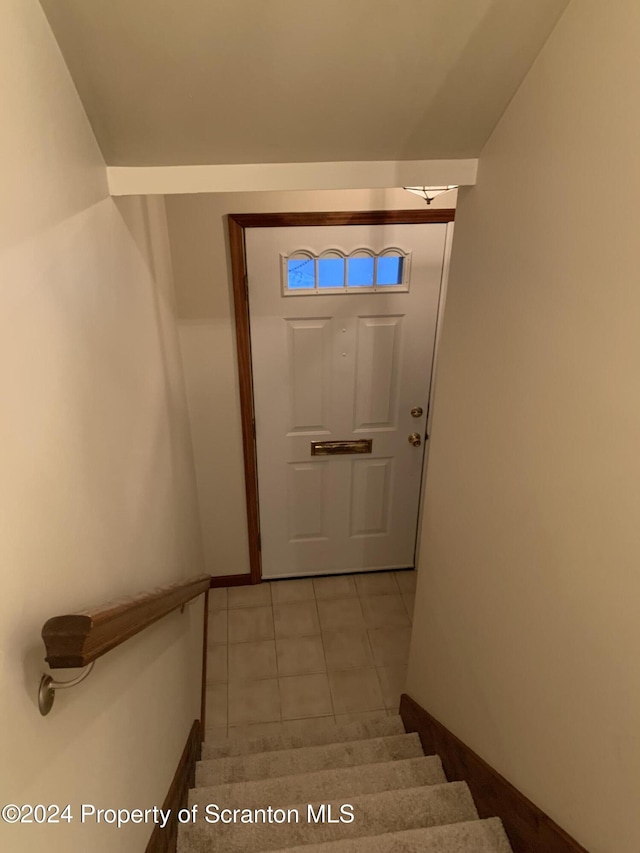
[529,829]
[165,840]
[205,654]
[248,578]
[231,580]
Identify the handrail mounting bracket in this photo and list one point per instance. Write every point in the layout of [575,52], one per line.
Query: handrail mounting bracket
[48,687]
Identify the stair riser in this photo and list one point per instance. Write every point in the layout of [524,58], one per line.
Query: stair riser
[317,734]
[486,836]
[270,765]
[325,784]
[374,814]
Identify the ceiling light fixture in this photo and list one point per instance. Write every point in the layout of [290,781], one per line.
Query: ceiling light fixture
[429,193]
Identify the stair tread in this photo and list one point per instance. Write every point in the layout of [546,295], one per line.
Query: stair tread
[324,784]
[476,836]
[318,732]
[288,762]
[375,814]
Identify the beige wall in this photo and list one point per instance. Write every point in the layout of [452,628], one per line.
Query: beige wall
[198,229]
[527,631]
[97,493]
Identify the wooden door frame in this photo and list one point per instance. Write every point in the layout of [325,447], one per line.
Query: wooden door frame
[238,223]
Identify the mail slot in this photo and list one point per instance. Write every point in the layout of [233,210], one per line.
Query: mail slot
[341,448]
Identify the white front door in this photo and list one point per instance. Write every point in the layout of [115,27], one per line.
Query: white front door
[343,322]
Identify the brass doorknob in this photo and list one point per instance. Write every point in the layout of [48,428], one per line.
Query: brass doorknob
[415,439]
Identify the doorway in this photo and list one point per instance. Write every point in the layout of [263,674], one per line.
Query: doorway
[336,320]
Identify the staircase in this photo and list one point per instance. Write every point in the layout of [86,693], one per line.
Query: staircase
[400,798]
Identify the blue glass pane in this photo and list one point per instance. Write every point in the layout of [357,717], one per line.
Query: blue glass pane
[331,272]
[360,272]
[301,274]
[390,269]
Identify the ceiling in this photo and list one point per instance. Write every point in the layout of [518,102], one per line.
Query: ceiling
[179,82]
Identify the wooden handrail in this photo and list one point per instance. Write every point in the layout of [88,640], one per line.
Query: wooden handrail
[80,638]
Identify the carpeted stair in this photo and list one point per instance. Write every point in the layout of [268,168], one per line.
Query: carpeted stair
[401,801]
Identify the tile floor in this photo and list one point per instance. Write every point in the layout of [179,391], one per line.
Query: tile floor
[286,652]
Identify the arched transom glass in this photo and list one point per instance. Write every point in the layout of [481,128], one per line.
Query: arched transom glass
[305,273]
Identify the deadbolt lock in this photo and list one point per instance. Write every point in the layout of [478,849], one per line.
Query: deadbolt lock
[416,412]
[415,439]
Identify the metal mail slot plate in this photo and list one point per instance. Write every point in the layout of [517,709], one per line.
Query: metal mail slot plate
[340,448]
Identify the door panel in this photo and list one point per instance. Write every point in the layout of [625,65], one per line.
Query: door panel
[370,496]
[305,501]
[376,373]
[309,356]
[340,367]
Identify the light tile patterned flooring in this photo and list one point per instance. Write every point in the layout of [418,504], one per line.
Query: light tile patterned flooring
[286,652]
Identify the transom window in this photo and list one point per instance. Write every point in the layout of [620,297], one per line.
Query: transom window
[331,272]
